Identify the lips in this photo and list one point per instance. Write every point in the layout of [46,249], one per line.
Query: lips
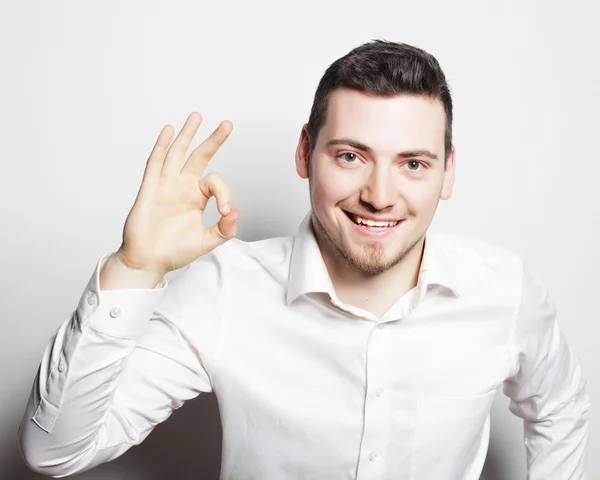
[370,232]
[373,233]
[353,217]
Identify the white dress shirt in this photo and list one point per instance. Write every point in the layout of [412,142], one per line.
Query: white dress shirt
[310,387]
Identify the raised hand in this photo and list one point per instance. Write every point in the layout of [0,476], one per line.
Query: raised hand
[164,230]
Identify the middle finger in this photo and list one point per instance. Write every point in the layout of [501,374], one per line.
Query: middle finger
[177,150]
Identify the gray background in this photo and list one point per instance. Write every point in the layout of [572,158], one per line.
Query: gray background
[87,86]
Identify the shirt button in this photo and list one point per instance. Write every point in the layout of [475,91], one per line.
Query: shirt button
[61,367]
[381,326]
[372,456]
[115,312]
[91,298]
[379,392]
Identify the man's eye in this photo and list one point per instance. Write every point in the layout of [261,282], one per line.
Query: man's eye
[412,162]
[349,157]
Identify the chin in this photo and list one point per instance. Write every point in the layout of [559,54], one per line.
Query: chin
[371,269]
[369,259]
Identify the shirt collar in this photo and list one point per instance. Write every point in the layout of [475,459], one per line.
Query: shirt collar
[308,272]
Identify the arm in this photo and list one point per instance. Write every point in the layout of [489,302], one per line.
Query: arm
[547,390]
[106,379]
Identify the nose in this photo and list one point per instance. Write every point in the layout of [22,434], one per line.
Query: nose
[379,190]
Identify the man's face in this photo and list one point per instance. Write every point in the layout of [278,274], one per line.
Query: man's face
[373,159]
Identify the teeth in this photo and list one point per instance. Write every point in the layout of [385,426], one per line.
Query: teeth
[371,223]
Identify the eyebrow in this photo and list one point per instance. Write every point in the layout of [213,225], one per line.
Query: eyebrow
[366,148]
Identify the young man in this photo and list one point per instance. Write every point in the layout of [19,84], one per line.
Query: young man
[362,347]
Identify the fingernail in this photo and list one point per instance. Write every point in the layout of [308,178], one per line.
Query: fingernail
[226,208]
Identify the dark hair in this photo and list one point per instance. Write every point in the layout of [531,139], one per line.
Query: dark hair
[386,69]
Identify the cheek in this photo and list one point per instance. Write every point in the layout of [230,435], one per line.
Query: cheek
[426,200]
[420,197]
[331,188]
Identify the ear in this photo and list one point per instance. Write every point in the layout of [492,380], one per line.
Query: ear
[449,176]
[303,153]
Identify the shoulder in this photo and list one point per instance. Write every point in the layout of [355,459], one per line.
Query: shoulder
[478,257]
[208,272]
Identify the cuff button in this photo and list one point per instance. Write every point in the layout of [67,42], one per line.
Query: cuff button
[91,298]
[115,312]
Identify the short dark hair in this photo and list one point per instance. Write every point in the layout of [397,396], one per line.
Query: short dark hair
[387,69]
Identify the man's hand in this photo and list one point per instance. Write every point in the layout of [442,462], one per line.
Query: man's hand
[164,230]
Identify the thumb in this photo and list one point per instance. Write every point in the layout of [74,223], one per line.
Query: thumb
[224,230]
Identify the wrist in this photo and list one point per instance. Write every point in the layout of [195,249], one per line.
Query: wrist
[117,274]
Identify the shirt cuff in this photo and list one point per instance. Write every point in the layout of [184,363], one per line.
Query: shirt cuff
[122,313]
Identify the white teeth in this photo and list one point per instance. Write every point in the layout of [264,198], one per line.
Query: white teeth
[372,223]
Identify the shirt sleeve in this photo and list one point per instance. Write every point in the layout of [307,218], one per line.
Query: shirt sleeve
[547,390]
[117,366]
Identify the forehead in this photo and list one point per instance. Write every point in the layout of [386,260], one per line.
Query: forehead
[404,121]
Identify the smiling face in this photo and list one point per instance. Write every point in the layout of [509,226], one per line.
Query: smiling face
[378,158]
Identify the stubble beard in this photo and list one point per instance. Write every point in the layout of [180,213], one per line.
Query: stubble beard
[371,260]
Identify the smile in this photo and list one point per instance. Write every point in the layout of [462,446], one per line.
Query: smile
[372,228]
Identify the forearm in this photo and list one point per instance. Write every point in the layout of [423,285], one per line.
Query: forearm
[71,400]
[72,396]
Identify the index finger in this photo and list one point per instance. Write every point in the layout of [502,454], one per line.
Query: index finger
[198,159]
[155,160]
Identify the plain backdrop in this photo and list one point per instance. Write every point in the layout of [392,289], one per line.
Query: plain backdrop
[86,87]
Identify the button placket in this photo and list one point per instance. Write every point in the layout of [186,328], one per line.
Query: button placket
[376,428]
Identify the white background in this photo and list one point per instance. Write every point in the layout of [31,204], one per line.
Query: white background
[87,86]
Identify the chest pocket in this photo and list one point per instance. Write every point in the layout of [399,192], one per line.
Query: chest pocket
[448,434]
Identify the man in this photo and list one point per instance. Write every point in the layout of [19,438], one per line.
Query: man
[363,347]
